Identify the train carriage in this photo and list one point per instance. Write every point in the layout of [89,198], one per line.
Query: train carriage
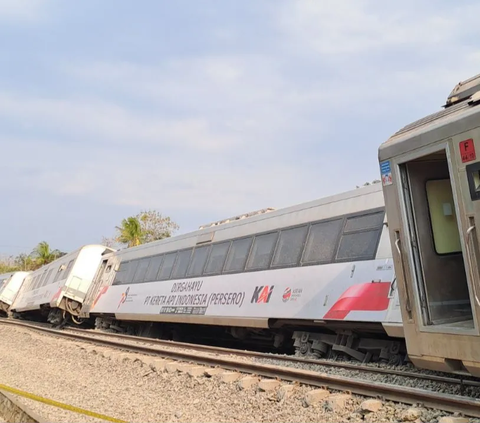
[431,180]
[10,284]
[320,270]
[59,288]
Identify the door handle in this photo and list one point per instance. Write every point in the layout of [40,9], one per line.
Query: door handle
[470,264]
[407,295]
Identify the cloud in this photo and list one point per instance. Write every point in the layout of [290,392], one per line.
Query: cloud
[110,124]
[358,27]
[22,10]
[217,131]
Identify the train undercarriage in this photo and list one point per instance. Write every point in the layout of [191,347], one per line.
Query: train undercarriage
[337,344]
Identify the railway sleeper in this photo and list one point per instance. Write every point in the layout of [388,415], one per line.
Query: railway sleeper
[347,344]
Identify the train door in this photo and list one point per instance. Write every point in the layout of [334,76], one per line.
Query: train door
[436,248]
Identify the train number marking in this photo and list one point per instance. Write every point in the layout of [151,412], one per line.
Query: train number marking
[467,151]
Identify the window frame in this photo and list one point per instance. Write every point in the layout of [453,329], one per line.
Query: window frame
[230,272]
[343,219]
[229,242]
[299,260]
[250,253]
[378,231]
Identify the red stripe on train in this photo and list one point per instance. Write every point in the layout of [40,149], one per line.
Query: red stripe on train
[363,297]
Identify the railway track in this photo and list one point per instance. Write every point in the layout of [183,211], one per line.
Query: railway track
[260,364]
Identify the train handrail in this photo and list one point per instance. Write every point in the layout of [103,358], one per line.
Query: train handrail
[470,264]
[407,294]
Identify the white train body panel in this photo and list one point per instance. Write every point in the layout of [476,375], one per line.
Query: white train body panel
[69,276]
[338,289]
[312,292]
[10,284]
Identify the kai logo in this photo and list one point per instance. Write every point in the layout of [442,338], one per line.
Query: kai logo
[262,294]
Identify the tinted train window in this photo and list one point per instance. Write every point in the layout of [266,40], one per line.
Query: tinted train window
[262,251]
[360,245]
[59,273]
[153,268]
[181,265]
[120,277]
[237,256]
[322,241]
[45,282]
[67,270]
[132,268]
[369,221]
[217,258]
[290,246]
[141,270]
[199,259]
[40,281]
[167,267]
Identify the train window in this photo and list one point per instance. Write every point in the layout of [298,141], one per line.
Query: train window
[59,273]
[443,219]
[262,251]
[37,279]
[290,246]
[120,276]
[141,270]
[108,269]
[238,254]
[42,279]
[359,245]
[45,282]
[167,267]
[67,270]
[200,255]
[322,241]
[367,221]
[181,264]
[155,264]
[217,258]
[132,268]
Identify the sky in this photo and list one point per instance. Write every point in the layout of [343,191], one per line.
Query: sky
[204,109]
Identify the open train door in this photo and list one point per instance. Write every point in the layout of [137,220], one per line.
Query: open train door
[438,253]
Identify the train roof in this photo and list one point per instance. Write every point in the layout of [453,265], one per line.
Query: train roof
[8,274]
[206,234]
[69,256]
[460,114]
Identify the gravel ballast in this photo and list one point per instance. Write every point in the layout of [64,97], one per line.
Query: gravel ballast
[111,382]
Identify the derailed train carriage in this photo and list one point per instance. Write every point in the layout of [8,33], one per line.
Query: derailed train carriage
[57,290]
[10,284]
[320,273]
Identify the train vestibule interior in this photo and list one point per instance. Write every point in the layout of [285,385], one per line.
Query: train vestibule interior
[436,249]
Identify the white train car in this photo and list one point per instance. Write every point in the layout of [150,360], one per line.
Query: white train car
[60,287]
[431,177]
[320,271]
[10,284]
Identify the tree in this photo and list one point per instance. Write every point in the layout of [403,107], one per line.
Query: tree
[7,265]
[146,226]
[130,232]
[24,262]
[155,226]
[42,254]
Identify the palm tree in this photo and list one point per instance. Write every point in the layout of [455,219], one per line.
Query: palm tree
[130,232]
[43,255]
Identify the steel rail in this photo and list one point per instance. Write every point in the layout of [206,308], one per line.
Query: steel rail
[446,402]
[261,355]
